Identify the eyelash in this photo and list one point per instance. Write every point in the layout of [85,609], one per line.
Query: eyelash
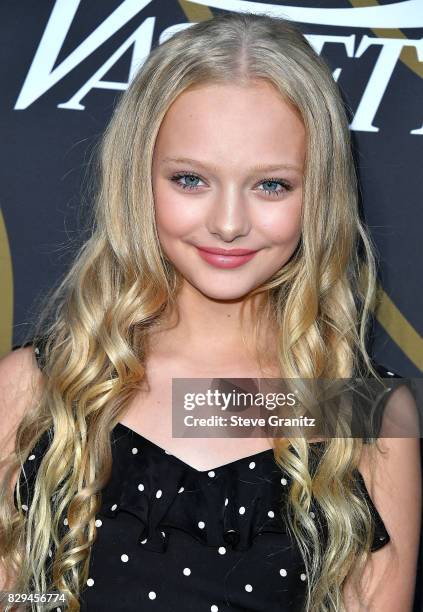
[286,186]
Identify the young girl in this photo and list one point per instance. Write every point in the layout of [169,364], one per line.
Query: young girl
[224,244]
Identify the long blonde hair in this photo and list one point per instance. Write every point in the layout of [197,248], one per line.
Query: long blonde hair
[98,318]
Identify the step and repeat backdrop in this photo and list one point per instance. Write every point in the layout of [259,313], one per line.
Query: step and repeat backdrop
[65,62]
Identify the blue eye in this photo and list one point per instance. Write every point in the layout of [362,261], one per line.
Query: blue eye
[271,183]
[191,180]
[270,186]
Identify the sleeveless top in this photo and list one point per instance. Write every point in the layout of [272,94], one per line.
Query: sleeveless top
[171,538]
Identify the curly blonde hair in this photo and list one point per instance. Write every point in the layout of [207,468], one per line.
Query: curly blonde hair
[97,320]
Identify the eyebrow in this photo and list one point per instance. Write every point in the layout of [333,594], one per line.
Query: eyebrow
[258,168]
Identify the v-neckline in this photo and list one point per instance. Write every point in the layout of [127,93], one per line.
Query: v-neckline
[149,442]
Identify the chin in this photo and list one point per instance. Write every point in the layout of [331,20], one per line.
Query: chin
[222,291]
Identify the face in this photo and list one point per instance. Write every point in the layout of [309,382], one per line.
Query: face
[227,174]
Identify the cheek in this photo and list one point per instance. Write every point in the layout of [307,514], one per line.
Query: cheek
[281,223]
[175,215]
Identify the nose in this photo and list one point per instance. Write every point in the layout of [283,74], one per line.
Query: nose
[229,216]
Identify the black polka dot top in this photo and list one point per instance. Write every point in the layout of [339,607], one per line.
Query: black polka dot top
[171,538]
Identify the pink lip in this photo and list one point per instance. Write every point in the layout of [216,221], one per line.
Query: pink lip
[223,258]
[230,252]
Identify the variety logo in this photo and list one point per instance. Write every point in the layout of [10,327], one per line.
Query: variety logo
[407,14]
[43,74]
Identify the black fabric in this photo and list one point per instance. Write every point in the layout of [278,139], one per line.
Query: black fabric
[171,538]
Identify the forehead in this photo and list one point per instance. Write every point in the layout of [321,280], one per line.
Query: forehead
[233,121]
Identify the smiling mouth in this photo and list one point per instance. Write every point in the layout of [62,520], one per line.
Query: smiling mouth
[228,252]
[222,258]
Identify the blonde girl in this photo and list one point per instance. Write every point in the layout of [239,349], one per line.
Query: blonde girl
[224,243]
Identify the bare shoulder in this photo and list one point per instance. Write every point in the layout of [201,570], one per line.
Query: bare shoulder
[21,382]
[395,482]
[392,474]
[401,413]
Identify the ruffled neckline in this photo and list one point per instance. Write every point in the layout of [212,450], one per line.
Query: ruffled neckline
[231,504]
